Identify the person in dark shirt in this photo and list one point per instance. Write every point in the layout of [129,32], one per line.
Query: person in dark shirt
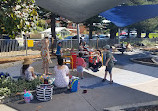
[58,52]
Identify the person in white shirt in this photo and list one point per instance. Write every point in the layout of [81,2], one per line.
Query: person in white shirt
[61,74]
[27,71]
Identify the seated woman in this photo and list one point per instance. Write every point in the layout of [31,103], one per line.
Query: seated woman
[61,74]
[27,71]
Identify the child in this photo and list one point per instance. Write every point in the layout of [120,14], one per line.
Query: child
[109,63]
[80,63]
[97,62]
[58,52]
[27,71]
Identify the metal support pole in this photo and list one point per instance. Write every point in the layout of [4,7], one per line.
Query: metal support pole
[26,44]
[119,32]
[78,32]
[71,42]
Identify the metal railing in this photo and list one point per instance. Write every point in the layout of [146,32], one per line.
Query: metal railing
[100,43]
[9,47]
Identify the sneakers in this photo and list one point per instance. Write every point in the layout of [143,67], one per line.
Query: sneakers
[103,80]
[111,82]
[82,77]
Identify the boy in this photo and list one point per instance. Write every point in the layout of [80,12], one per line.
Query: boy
[109,63]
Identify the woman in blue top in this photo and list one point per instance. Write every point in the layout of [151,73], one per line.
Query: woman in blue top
[58,52]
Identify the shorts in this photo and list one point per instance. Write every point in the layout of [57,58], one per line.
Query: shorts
[79,69]
[58,56]
[109,69]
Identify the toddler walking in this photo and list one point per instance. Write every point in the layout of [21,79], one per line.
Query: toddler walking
[80,63]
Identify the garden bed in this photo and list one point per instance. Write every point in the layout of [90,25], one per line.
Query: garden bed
[13,89]
[14,59]
[145,61]
[143,108]
[149,49]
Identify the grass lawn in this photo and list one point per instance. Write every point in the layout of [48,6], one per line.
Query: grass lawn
[151,35]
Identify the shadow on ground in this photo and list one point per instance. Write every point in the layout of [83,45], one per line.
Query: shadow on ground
[123,62]
[99,96]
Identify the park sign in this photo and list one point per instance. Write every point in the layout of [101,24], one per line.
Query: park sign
[78,10]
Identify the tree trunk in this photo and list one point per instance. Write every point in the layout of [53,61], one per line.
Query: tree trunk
[53,21]
[90,31]
[139,33]
[128,36]
[147,34]
[113,33]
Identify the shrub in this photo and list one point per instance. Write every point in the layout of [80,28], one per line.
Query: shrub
[9,86]
[148,43]
[5,92]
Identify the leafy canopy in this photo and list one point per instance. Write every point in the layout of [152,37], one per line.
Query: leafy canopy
[17,16]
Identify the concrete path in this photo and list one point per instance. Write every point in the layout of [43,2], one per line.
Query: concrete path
[4,107]
[133,84]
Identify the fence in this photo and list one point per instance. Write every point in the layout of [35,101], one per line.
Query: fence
[69,43]
[10,47]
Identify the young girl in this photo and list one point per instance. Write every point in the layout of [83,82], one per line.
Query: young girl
[80,63]
[27,71]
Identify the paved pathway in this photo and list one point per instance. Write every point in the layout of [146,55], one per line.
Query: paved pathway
[133,84]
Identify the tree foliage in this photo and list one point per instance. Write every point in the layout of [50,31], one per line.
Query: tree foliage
[89,24]
[17,16]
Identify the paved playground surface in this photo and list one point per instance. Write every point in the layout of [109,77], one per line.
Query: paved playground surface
[134,84]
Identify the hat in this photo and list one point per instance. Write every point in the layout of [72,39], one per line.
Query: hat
[106,47]
[27,61]
[46,35]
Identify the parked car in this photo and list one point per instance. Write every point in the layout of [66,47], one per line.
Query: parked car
[94,37]
[71,37]
[123,37]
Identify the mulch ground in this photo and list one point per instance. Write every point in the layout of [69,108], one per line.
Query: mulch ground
[145,60]
[19,58]
[150,49]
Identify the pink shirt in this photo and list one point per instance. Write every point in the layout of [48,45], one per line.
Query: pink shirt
[80,62]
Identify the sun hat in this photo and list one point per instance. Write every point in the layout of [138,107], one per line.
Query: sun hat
[106,47]
[27,61]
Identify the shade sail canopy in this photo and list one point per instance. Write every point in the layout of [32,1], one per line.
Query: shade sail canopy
[78,10]
[123,16]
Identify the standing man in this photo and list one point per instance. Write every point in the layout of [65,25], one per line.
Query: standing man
[109,63]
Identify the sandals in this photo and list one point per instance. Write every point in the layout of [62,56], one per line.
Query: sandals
[49,73]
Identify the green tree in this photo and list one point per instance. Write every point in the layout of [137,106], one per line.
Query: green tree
[17,16]
[113,30]
[89,24]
